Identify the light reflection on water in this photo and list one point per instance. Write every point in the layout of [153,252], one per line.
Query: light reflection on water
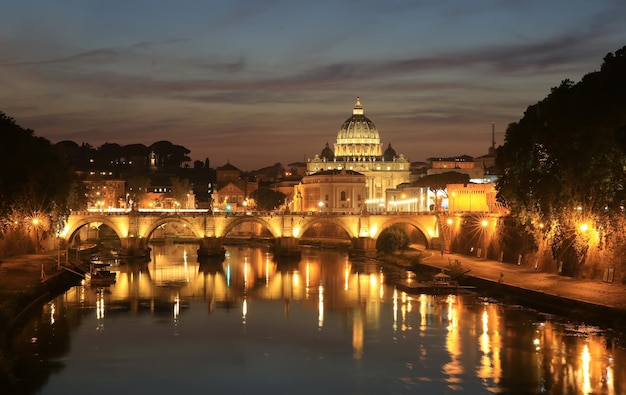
[323,324]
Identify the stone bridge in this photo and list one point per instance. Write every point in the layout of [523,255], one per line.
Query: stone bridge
[135,227]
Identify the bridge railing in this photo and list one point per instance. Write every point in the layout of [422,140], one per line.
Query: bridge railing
[144,211]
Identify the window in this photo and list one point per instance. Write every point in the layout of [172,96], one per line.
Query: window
[343,196]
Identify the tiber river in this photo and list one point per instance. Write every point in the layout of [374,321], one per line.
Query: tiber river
[323,325]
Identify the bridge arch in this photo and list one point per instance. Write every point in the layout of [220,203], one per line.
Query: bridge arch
[73,228]
[338,222]
[152,227]
[426,233]
[245,219]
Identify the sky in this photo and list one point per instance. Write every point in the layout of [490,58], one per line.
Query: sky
[258,82]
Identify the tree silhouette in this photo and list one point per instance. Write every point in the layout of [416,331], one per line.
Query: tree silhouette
[564,163]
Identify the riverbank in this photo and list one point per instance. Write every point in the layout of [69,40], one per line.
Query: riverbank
[26,282]
[585,301]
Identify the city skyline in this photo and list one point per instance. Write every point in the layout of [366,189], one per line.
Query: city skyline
[256,83]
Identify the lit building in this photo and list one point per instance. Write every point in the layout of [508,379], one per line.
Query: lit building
[105,193]
[358,148]
[230,198]
[233,189]
[331,190]
[408,198]
[464,164]
[473,198]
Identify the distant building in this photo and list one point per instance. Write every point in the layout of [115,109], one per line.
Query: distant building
[331,190]
[105,193]
[358,148]
[233,189]
[227,173]
[230,198]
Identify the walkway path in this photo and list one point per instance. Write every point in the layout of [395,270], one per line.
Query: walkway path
[610,295]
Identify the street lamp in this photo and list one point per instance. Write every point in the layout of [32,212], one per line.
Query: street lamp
[36,226]
[321,204]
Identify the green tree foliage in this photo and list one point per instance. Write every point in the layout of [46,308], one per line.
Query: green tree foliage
[180,191]
[170,155]
[438,182]
[392,239]
[268,199]
[564,162]
[36,181]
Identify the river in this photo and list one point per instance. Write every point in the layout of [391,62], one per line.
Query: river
[324,324]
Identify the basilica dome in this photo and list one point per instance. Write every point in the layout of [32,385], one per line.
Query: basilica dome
[390,154]
[327,153]
[358,136]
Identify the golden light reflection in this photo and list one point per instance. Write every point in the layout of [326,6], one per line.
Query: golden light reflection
[52,312]
[609,380]
[176,307]
[307,278]
[296,279]
[454,368]
[244,310]
[395,310]
[586,359]
[423,311]
[100,305]
[320,308]
[267,271]
[357,334]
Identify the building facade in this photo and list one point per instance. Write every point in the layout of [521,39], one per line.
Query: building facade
[331,191]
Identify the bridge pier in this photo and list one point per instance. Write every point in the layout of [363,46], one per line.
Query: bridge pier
[210,247]
[134,247]
[363,244]
[287,247]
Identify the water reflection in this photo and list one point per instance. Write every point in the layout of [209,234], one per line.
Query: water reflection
[342,325]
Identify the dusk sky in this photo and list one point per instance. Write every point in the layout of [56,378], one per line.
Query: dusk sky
[265,81]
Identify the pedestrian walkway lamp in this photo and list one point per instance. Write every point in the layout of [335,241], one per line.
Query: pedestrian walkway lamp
[36,226]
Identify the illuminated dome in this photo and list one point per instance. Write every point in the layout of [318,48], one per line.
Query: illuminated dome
[390,154]
[358,136]
[327,153]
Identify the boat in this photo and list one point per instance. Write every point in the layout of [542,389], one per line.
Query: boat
[102,277]
[440,283]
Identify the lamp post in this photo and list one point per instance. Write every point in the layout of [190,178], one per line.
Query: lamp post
[36,226]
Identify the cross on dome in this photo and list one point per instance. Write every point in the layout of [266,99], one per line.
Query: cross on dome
[358,108]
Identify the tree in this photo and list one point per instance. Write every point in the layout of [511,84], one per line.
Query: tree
[268,199]
[37,183]
[392,239]
[180,191]
[170,155]
[564,164]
